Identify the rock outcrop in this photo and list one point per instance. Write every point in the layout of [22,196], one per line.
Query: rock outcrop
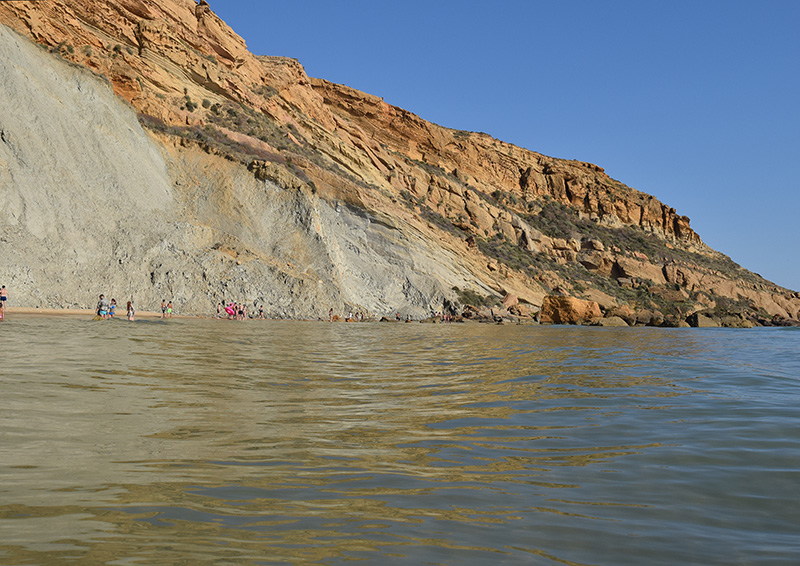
[569,310]
[215,173]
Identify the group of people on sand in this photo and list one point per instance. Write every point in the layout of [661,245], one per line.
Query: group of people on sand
[237,311]
[108,309]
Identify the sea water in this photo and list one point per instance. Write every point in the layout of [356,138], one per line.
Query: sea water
[260,442]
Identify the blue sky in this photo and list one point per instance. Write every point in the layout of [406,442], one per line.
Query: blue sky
[696,103]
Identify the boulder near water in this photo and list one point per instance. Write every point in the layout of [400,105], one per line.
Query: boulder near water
[558,309]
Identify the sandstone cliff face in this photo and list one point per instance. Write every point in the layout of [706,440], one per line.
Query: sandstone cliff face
[253,180]
[490,165]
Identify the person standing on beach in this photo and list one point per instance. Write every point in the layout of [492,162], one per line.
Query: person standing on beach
[169,309]
[163,308]
[219,310]
[131,311]
[3,299]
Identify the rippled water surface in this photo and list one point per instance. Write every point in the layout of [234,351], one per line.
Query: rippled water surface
[217,442]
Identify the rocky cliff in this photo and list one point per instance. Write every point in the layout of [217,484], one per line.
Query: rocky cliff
[147,153]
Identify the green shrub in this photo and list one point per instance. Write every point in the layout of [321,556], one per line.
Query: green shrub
[189,104]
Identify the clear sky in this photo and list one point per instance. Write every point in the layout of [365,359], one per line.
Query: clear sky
[695,102]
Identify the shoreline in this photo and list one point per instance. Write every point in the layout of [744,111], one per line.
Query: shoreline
[76,313]
[35,312]
[89,314]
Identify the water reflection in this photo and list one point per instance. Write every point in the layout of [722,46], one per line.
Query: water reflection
[218,442]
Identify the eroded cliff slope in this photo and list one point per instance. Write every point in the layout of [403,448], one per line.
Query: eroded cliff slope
[242,178]
[93,203]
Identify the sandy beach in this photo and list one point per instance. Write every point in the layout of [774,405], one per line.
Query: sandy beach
[87,313]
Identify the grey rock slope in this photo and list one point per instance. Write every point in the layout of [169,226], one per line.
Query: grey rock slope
[91,204]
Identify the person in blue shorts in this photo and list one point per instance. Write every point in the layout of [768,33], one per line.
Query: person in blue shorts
[103,306]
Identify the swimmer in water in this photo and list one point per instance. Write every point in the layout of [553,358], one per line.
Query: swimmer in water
[103,306]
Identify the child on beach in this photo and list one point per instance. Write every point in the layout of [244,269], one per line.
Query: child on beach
[112,309]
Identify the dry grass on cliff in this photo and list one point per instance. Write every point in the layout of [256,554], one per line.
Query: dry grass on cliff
[469,297]
[212,140]
[536,265]
[250,122]
[291,147]
[561,221]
